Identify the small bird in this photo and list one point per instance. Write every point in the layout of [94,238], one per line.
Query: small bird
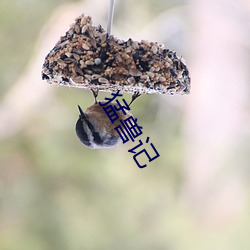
[94,128]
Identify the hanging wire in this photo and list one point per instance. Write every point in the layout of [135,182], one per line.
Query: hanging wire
[110,15]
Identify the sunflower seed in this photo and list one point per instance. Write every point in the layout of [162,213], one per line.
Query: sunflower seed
[150,74]
[154,49]
[68,54]
[77,79]
[78,70]
[98,61]
[95,76]
[144,78]
[88,62]
[131,80]
[103,80]
[69,60]
[134,72]
[85,46]
[77,29]
[77,57]
[61,62]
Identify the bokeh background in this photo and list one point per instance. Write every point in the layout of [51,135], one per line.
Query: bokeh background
[57,194]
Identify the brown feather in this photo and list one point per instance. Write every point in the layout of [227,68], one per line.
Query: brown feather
[102,120]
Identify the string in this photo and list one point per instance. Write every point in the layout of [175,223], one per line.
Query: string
[110,15]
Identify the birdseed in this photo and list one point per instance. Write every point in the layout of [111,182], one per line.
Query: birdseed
[88,57]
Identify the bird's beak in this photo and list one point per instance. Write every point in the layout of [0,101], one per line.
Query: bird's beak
[82,115]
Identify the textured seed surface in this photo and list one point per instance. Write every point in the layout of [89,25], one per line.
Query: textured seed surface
[87,57]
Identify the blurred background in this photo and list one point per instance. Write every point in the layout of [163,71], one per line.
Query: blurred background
[57,194]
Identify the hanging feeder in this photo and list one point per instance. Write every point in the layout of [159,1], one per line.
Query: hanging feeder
[88,57]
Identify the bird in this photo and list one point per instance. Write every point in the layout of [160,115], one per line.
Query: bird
[94,128]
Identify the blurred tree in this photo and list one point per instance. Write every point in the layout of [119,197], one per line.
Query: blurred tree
[217,118]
